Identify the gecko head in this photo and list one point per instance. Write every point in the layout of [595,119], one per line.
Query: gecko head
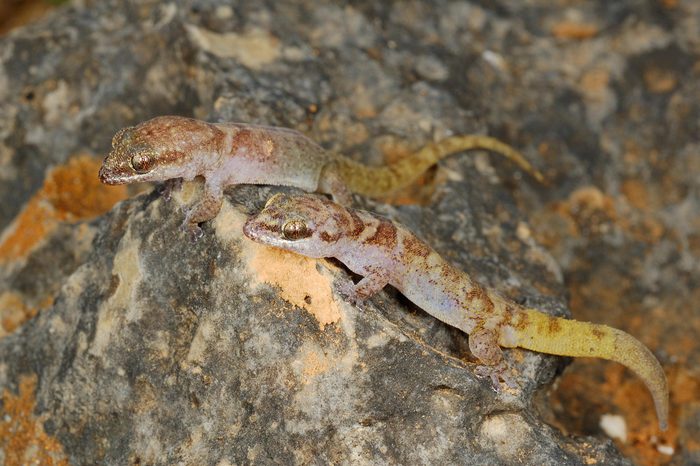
[159,149]
[305,224]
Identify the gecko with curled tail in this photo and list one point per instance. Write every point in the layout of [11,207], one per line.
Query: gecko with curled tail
[173,148]
[384,252]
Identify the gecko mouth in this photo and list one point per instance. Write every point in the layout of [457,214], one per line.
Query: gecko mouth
[112,178]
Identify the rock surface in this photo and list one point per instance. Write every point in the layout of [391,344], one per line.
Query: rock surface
[122,342]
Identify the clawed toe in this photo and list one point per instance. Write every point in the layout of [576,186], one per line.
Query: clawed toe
[194,230]
[497,374]
[346,289]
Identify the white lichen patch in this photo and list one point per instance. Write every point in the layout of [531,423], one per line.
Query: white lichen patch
[328,386]
[267,265]
[508,435]
[121,307]
[198,347]
[145,441]
[377,340]
[254,48]
[56,104]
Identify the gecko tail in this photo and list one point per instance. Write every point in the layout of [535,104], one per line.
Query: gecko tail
[379,181]
[564,337]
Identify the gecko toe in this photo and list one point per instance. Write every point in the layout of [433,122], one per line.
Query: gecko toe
[346,289]
[194,231]
[497,374]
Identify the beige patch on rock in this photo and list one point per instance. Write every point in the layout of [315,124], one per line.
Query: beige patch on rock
[313,361]
[254,48]
[128,270]
[198,348]
[300,283]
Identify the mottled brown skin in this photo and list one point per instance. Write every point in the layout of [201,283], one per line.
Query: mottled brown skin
[384,252]
[171,147]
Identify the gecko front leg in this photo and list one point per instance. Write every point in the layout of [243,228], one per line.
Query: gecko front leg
[331,182]
[205,209]
[368,286]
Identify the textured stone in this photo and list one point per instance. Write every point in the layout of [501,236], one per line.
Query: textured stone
[150,349]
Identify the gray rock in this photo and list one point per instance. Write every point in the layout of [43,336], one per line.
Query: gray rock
[157,350]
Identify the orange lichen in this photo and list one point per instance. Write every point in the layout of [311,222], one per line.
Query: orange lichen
[16,309]
[22,437]
[283,269]
[574,30]
[298,278]
[636,193]
[595,82]
[18,13]
[13,312]
[71,192]
[660,80]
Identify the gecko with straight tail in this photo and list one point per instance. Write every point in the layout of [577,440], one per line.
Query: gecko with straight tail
[384,252]
[178,148]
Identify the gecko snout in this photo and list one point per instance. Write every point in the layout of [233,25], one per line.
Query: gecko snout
[103,175]
[248,228]
[106,177]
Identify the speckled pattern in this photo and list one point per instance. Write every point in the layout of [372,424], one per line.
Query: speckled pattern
[147,348]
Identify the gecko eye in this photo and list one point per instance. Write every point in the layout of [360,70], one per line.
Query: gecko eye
[295,229]
[141,163]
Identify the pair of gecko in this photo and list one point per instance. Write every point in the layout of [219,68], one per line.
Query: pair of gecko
[383,252]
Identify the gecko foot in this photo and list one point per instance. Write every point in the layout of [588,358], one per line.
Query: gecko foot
[346,289]
[194,230]
[496,374]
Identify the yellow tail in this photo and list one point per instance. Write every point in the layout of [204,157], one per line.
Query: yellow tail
[553,335]
[380,181]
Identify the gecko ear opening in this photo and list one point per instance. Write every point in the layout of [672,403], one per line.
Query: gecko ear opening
[295,230]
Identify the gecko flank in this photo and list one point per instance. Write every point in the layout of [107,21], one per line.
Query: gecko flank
[171,147]
[384,252]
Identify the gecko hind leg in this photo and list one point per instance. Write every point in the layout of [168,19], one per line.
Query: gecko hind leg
[483,344]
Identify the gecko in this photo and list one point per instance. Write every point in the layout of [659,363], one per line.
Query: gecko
[384,253]
[169,148]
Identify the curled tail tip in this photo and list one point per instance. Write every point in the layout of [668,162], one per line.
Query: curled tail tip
[636,356]
[662,412]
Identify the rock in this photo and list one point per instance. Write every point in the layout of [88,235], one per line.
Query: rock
[159,350]
[124,342]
